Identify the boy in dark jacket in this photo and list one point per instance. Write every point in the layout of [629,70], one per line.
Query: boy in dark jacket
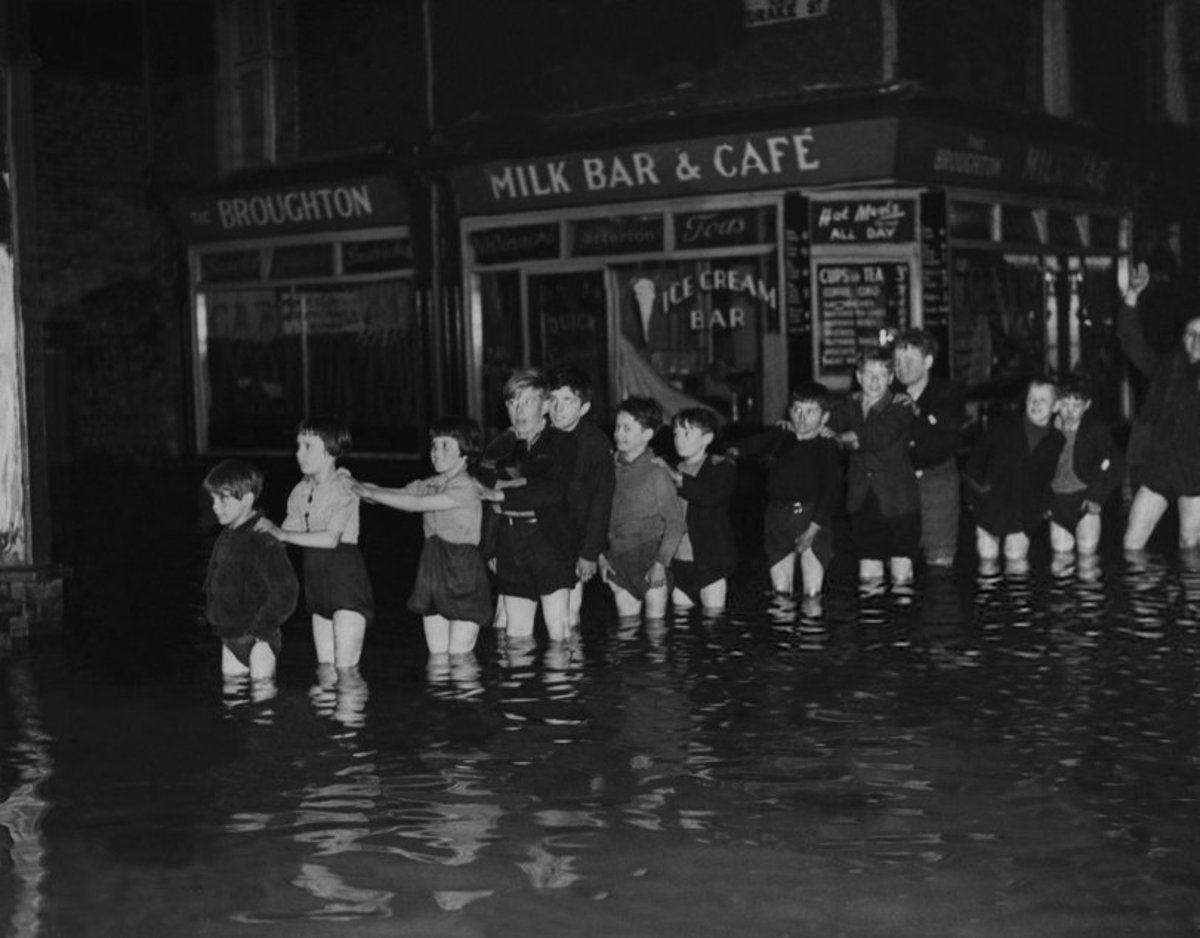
[707,554]
[804,484]
[1090,468]
[1008,477]
[590,494]
[874,425]
[250,589]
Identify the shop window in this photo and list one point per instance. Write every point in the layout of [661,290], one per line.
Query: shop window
[1020,225]
[258,83]
[503,341]
[273,355]
[1106,232]
[971,221]
[694,328]
[1066,229]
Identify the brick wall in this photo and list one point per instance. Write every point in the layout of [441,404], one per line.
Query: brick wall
[102,254]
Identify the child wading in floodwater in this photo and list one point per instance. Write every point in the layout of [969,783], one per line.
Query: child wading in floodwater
[250,589]
[451,593]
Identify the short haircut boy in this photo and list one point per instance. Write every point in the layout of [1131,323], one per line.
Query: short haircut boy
[465,432]
[874,353]
[807,391]
[1075,386]
[645,410]
[525,379]
[922,340]
[578,380]
[331,431]
[1040,381]
[234,477]
[702,418]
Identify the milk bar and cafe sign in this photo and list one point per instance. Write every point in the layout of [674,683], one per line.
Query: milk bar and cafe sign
[900,149]
[336,205]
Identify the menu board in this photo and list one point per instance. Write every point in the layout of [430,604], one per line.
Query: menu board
[856,302]
[795,257]
[935,274]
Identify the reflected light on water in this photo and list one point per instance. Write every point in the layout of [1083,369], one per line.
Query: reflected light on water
[24,809]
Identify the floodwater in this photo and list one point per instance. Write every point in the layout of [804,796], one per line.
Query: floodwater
[988,756]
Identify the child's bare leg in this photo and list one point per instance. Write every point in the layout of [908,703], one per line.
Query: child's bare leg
[655,602]
[349,630]
[901,569]
[627,603]
[262,662]
[712,597]
[680,599]
[987,545]
[1189,521]
[1145,512]
[870,571]
[520,614]
[1016,546]
[500,619]
[1062,541]
[812,574]
[556,610]
[437,634]
[575,604]
[230,666]
[322,630]
[1087,533]
[463,635]
[783,574]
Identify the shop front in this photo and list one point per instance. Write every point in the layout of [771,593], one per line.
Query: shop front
[720,270]
[302,303]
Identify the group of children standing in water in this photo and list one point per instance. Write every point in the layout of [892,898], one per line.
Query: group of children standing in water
[547,505]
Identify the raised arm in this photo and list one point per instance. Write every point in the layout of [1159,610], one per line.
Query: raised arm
[1129,328]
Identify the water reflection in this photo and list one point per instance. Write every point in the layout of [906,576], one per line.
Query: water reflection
[1012,747]
[24,809]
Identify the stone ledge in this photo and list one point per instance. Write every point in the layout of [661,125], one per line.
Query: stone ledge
[31,602]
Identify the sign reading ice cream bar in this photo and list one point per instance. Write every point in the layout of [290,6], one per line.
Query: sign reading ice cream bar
[712,299]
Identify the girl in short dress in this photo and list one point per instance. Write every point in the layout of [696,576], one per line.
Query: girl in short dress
[451,592]
[322,518]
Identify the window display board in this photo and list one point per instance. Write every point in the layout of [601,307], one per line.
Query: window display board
[864,256]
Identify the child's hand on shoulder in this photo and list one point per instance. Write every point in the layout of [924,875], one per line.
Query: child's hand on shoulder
[267,526]
[487,494]
[365,491]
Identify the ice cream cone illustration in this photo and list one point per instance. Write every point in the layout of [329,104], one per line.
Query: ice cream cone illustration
[644,292]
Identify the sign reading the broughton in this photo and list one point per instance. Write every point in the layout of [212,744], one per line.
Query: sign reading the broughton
[336,205]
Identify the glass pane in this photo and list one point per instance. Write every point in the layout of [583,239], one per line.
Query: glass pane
[250,20]
[253,370]
[366,363]
[503,343]
[693,329]
[569,324]
[252,115]
[281,32]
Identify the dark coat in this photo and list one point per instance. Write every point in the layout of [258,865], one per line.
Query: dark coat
[804,471]
[1164,440]
[1097,459]
[710,529]
[881,463]
[1007,486]
[547,467]
[250,587]
[590,495]
[937,429]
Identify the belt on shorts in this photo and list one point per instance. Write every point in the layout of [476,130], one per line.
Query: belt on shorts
[518,517]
